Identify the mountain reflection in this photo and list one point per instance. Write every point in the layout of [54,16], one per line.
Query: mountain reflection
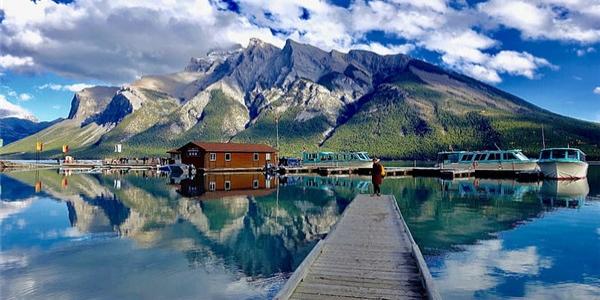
[266,225]
[248,220]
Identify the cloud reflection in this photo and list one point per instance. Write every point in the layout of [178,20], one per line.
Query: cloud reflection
[465,273]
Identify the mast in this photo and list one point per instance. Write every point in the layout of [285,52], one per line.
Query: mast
[543,138]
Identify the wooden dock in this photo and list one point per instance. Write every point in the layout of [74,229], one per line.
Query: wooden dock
[369,254]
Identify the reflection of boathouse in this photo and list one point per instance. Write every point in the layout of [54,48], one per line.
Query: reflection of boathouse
[219,185]
[208,156]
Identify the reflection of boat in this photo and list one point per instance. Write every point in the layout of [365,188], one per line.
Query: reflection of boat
[568,193]
[336,159]
[219,185]
[177,168]
[487,188]
[563,163]
[509,160]
[329,182]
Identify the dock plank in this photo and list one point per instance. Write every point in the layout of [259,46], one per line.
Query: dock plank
[367,255]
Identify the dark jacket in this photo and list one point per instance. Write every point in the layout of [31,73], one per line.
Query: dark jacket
[376,174]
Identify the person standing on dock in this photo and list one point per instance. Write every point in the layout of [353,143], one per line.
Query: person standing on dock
[376,176]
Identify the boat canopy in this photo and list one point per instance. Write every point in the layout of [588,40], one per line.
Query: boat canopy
[562,154]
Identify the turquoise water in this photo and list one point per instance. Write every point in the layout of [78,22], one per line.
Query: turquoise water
[135,236]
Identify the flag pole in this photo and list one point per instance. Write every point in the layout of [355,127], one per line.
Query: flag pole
[277,129]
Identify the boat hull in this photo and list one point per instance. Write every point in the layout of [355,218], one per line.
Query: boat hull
[564,169]
[494,166]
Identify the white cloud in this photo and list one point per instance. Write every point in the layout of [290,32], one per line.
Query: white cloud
[516,63]
[25,97]
[9,110]
[118,41]
[72,88]
[583,52]
[562,20]
[13,62]
[597,90]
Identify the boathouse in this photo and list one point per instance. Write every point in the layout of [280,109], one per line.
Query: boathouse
[209,156]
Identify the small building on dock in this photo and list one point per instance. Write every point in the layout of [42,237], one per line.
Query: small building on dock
[209,156]
[174,156]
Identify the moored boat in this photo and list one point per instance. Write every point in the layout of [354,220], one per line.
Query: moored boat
[486,160]
[336,159]
[563,163]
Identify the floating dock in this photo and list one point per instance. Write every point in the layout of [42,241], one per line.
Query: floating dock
[369,254]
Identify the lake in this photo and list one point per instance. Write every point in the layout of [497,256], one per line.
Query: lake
[146,235]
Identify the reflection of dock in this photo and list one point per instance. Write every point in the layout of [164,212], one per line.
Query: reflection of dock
[370,254]
[419,171]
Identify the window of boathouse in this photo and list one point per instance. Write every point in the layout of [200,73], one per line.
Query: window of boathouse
[213,156]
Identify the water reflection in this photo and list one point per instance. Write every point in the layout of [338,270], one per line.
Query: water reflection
[567,193]
[246,222]
[243,233]
[513,239]
[483,188]
[219,185]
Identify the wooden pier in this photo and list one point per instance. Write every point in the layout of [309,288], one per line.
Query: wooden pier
[369,254]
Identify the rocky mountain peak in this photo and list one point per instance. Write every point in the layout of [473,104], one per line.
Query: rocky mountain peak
[256,42]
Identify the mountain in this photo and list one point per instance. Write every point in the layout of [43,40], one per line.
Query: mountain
[392,106]
[14,129]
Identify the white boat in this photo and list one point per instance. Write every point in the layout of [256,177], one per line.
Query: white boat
[563,163]
[486,160]
[336,159]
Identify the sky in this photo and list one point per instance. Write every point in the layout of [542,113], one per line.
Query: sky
[544,51]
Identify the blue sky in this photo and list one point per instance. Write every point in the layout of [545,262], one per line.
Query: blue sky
[544,51]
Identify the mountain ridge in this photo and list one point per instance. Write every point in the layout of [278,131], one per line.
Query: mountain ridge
[393,106]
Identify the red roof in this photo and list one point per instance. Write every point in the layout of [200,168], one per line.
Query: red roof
[233,147]
[174,151]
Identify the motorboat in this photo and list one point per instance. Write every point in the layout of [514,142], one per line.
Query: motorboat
[563,163]
[486,160]
[336,159]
